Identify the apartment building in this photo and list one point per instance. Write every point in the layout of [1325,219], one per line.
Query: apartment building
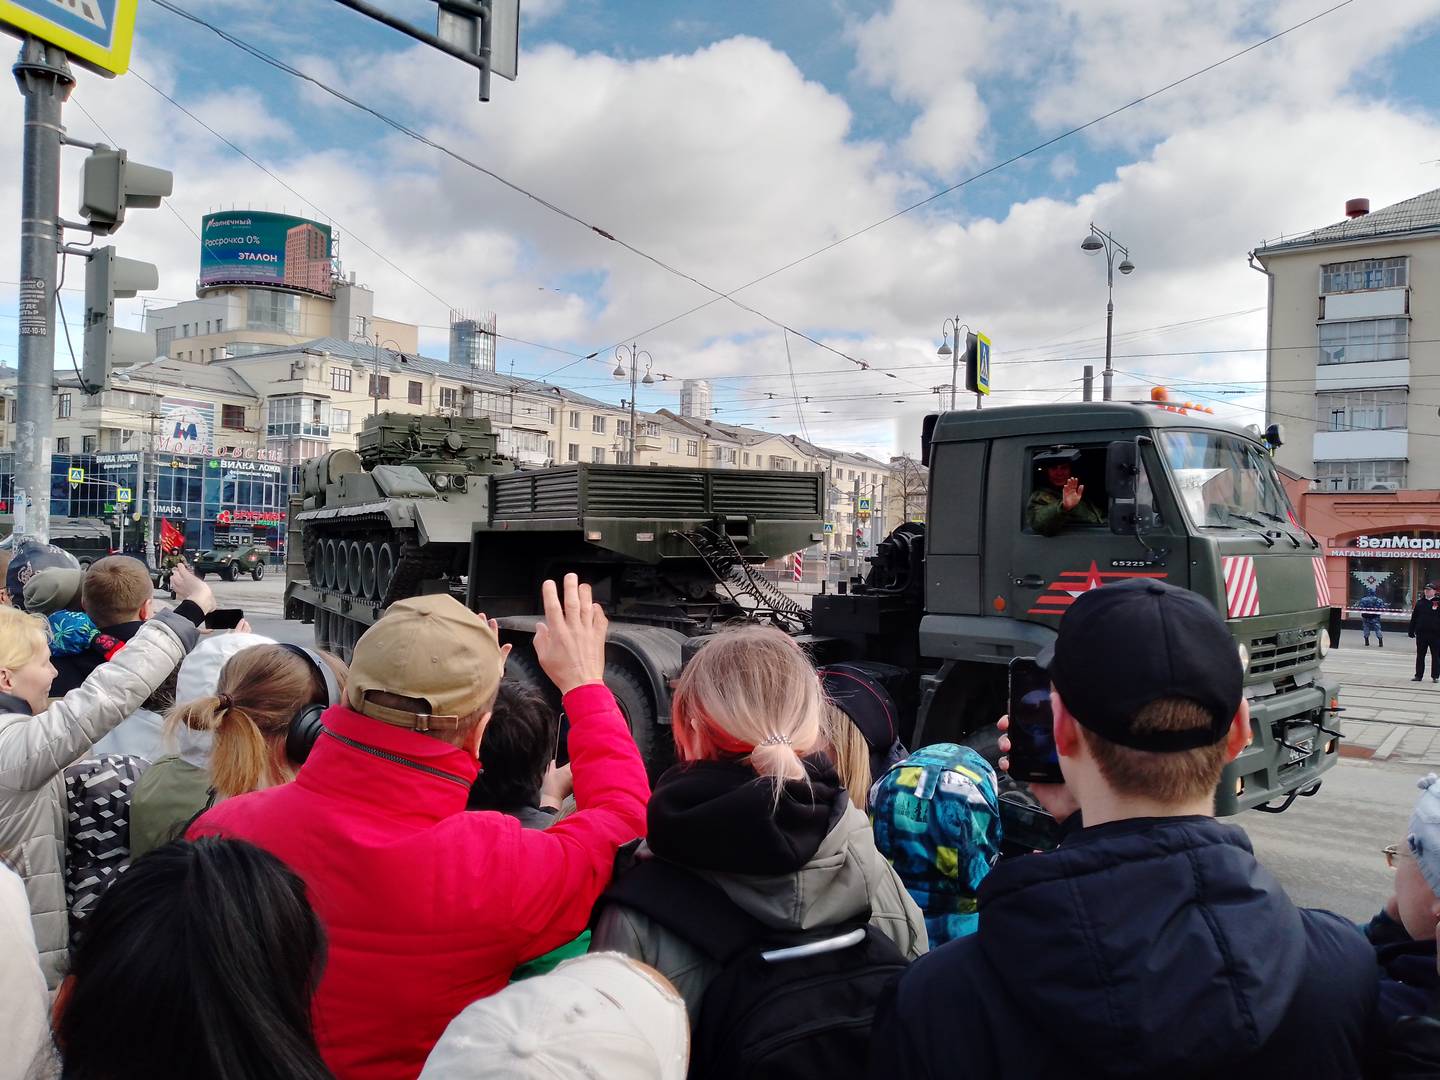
[1354,344]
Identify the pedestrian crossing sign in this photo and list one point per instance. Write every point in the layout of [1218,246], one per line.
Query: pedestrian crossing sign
[77,477]
[122,495]
[93,33]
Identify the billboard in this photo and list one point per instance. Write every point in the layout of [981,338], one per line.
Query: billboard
[254,247]
[186,427]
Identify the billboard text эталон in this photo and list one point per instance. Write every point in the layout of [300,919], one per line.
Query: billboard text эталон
[254,247]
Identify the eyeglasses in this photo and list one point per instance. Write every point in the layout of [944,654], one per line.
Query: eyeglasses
[1395,851]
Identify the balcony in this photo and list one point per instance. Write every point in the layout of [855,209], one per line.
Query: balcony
[1362,445]
[1371,373]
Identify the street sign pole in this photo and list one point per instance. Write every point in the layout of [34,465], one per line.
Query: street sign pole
[45,82]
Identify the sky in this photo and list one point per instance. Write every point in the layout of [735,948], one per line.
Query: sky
[847,156]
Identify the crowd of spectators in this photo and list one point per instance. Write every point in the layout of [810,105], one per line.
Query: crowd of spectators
[241,859]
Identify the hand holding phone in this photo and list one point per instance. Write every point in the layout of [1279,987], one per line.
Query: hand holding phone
[1031,730]
[224,618]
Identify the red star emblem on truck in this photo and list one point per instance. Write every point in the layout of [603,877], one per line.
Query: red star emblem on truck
[1061,592]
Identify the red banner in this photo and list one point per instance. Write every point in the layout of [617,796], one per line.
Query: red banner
[171,538]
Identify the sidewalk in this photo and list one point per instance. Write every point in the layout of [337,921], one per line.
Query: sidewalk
[1386,717]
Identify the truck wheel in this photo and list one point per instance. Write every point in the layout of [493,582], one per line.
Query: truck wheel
[228,574]
[258,572]
[656,747]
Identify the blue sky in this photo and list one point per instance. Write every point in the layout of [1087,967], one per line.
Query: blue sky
[726,140]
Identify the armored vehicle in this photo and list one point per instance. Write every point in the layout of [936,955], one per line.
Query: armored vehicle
[426,505]
[230,560]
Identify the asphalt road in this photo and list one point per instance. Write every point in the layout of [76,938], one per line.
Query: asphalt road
[1325,849]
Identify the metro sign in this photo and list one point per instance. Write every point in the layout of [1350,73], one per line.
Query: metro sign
[94,33]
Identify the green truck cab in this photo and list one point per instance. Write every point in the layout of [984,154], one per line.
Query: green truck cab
[1181,497]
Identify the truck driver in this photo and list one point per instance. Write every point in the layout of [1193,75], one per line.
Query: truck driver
[1058,498]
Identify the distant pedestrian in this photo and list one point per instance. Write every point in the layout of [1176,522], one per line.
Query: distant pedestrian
[1370,606]
[1425,629]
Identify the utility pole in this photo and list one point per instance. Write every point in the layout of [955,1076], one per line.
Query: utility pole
[855,522]
[1088,385]
[620,372]
[45,82]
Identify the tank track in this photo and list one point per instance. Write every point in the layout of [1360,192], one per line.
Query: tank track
[414,563]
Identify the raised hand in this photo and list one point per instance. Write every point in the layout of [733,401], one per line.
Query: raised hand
[1071,496]
[186,586]
[570,643]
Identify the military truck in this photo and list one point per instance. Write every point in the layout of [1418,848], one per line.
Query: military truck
[1177,496]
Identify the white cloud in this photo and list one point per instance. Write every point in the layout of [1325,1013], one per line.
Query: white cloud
[727,163]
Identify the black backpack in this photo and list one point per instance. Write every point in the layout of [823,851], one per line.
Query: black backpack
[785,1006]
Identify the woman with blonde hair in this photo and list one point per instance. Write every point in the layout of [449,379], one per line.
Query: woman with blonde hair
[39,740]
[755,811]
[241,698]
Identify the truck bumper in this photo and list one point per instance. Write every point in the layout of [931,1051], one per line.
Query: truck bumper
[1268,769]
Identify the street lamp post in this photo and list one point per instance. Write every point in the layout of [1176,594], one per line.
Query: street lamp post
[953,326]
[1099,240]
[622,353]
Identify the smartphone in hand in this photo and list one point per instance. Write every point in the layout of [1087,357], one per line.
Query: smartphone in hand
[224,618]
[1032,727]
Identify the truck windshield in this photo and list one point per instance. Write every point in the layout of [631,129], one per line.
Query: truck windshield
[1224,481]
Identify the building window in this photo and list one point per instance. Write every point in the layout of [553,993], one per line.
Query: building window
[747,457]
[184,330]
[673,446]
[339,419]
[164,338]
[62,411]
[572,452]
[384,391]
[1361,410]
[1364,340]
[417,393]
[574,419]
[275,311]
[207,326]
[90,443]
[652,429]
[219,326]
[1359,475]
[1364,274]
[597,455]
[449,397]
[340,379]
[536,411]
[291,416]
[232,417]
[692,448]
[62,445]
[622,428]
[498,407]
[597,424]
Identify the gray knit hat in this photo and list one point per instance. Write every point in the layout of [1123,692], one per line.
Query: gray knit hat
[52,590]
[1425,831]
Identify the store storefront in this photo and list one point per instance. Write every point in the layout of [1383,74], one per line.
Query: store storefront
[1381,543]
[205,496]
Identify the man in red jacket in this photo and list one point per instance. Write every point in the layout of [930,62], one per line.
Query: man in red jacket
[428,907]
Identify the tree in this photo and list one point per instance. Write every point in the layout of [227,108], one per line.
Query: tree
[912,485]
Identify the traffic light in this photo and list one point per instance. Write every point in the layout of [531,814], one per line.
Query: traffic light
[108,276]
[110,182]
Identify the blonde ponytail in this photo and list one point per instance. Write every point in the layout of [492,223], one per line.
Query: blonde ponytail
[260,690]
[750,692]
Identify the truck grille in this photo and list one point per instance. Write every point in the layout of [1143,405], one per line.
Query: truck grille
[1285,651]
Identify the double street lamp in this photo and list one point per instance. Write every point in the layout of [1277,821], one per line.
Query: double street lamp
[634,356]
[949,328]
[1099,240]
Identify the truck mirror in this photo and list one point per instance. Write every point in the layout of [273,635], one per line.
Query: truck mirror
[927,431]
[1122,471]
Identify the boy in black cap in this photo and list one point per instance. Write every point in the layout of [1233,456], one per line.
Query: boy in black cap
[1150,943]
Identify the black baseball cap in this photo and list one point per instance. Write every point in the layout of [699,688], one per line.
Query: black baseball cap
[1122,646]
[870,708]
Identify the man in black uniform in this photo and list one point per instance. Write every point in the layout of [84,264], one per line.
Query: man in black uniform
[1425,629]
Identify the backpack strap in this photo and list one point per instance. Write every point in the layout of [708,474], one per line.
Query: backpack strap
[686,905]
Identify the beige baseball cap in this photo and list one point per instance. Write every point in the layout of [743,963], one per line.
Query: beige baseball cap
[428,647]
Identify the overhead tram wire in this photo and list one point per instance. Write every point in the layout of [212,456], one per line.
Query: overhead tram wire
[655,260]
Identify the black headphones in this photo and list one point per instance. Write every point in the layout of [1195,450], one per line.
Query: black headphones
[305,726]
